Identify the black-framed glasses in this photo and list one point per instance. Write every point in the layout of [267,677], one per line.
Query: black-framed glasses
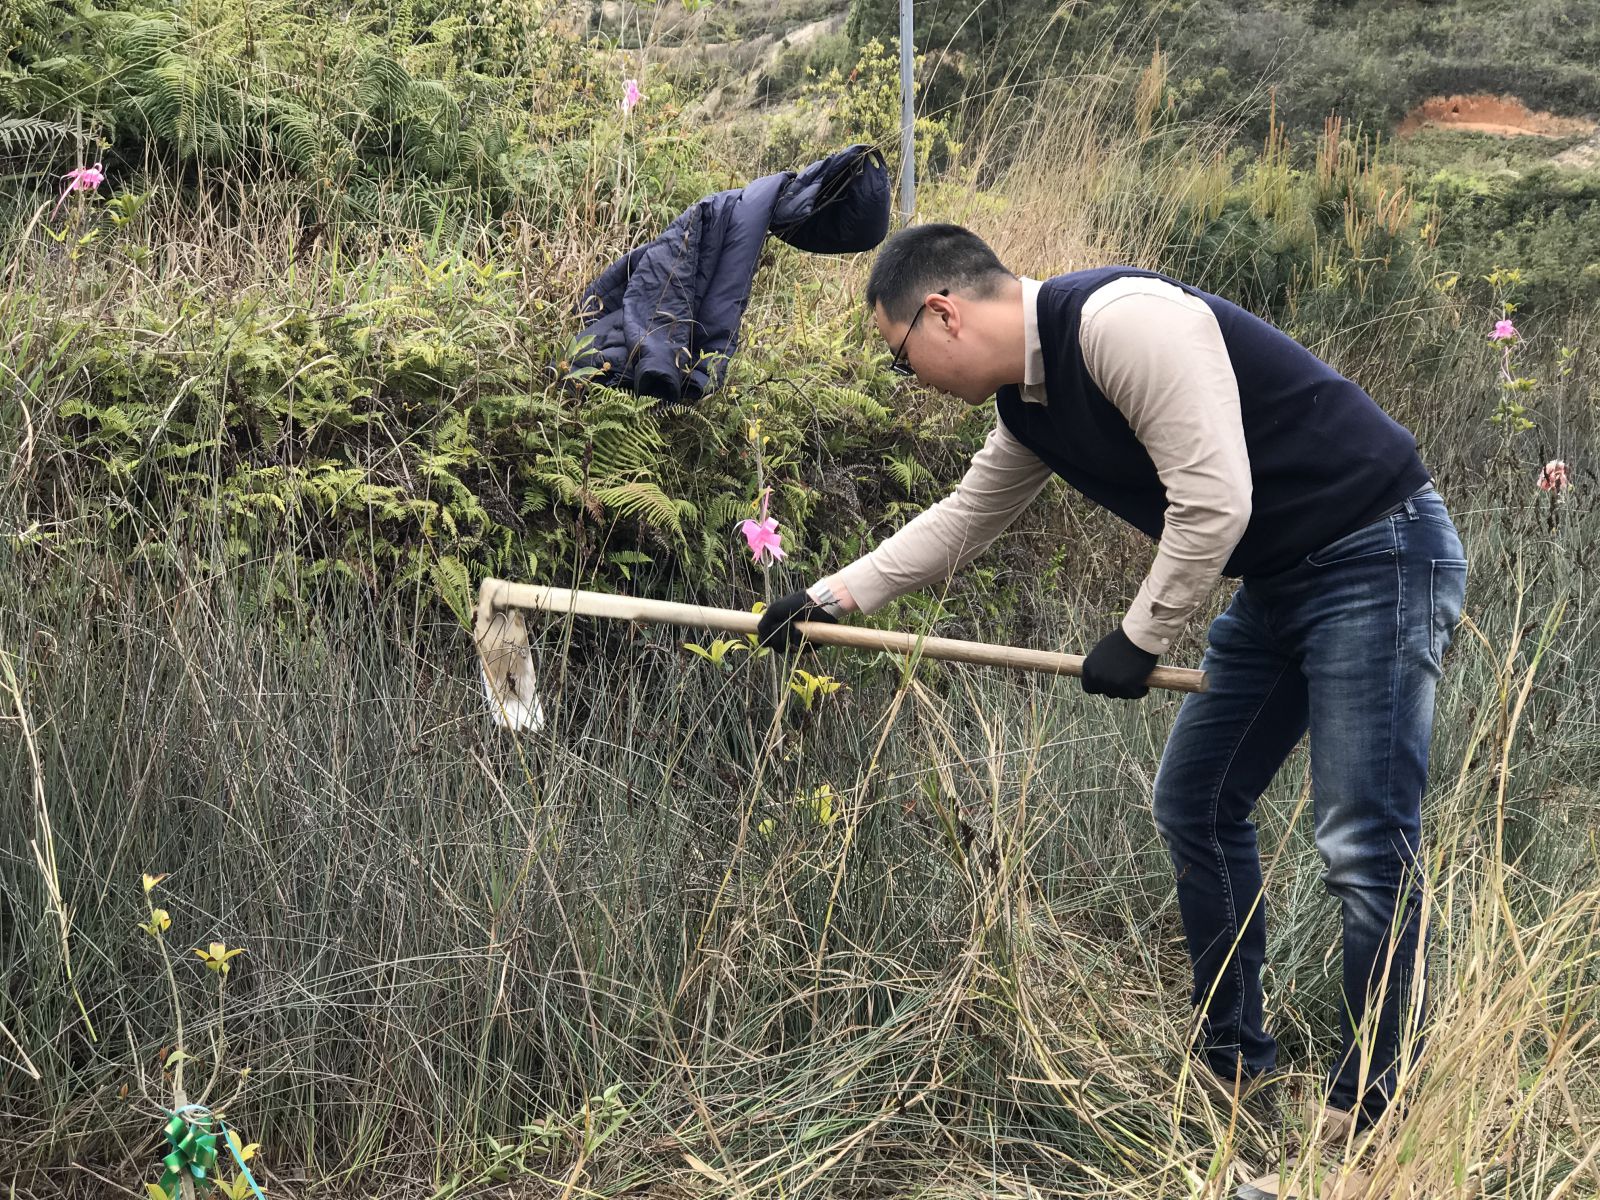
[900,366]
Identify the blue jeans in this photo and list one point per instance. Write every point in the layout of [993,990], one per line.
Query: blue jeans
[1347,643]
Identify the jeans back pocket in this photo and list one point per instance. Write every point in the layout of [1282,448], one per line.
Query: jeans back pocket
[1448,588]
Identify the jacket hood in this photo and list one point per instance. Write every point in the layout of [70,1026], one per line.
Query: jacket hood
[839,205]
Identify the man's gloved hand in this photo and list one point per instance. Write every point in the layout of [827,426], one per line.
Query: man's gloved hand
[1117,668]
[776,629]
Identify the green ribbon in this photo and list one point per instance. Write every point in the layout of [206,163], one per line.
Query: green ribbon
[194,1151]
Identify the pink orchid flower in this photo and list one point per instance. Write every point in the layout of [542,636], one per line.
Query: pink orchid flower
[763,535]
[80,179]
[631,95]
[1503,331]
[1554,477]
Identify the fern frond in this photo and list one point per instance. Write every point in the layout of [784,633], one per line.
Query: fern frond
[146,41]
[625,453]
[907,472]
[647,502]
[295,133]
[565,481]
[844,401]
[724,511]
[381,84]
[22,133]
[173,101]
[433,100]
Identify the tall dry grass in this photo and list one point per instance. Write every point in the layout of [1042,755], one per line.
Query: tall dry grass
[635,953]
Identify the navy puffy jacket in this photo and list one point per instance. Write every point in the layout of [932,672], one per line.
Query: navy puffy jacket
[666,315]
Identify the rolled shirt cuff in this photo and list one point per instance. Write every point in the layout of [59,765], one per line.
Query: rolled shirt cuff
[867,586]
[1150,634]
[823,596]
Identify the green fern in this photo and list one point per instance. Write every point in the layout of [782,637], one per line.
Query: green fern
[907,471]
[843,401]
[648,502]
[146,39]
[23,133]
[725,511]
[454,584]
[563,477]
[381,84]
[273,84]
[297,136]
[624,452]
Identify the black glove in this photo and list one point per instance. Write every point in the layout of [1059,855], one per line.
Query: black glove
[1117,668]
[776,630]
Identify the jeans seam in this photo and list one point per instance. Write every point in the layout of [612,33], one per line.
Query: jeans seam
[1394,680]
[1380,1053]
[1222,862]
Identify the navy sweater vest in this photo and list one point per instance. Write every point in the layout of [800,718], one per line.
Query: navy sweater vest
[1324,458]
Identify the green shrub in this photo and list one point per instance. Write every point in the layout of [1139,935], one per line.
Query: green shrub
[1545,221]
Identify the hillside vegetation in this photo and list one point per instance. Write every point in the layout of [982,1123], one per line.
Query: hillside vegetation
[278,391]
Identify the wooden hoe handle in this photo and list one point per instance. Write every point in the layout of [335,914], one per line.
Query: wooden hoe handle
[497,594]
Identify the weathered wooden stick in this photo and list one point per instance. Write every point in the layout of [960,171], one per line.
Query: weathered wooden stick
[498,594]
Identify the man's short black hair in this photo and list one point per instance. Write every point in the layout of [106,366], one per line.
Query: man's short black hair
[926,258]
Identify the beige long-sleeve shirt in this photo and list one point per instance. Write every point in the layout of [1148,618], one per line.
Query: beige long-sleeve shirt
[1157,353]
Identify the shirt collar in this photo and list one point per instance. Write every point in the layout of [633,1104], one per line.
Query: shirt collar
[1033,372]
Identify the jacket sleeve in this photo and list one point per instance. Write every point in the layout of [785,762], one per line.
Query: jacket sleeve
[605,293]
[659,308]
[601,311]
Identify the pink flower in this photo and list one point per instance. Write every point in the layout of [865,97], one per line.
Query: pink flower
[763,535]
[631,95]
[1554,477]
[80,179]
[1504,331]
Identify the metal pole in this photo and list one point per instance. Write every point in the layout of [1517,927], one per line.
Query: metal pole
[908,116]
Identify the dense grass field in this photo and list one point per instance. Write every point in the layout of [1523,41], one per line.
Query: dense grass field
[710,932]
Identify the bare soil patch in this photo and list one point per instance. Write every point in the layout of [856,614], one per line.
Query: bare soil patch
[1505,116]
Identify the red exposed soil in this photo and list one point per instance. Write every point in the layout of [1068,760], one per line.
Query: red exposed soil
[1503,115]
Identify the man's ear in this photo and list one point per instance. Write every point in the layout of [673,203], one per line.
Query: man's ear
[945,309]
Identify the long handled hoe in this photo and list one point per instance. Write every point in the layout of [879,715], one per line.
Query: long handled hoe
[508,674]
